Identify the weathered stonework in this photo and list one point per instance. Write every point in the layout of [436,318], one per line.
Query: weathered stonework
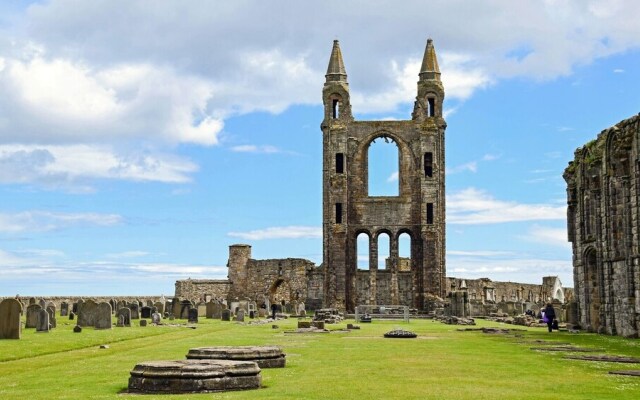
[603,189]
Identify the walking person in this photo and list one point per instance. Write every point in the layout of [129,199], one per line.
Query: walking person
[550,316]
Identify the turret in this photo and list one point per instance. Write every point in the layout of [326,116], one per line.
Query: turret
[430,90]
[335,94]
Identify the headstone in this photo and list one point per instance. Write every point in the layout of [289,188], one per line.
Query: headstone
[79,305]
[10,326]
[202,310]
[244,305]
[77,329]
[252,314]
[103,316]
[42,325]
[185,306]
[159,307]
[193,316]
[210,305]
[87,313]
[145,312]
[240,315]
[143,322]
[149,303]
[52,316]
[123,316]
[134,307]
[234,307]
[262,312]
[226,315]
[32,300]
[301,309]
[64,309]
[74,307]
[119,305]
[72,316]
[42,303]
[156,318]
[32,315]
[175,307]
[113,305]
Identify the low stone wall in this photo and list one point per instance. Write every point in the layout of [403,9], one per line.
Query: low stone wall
[57,300]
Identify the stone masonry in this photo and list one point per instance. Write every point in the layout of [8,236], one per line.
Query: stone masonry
[603,189]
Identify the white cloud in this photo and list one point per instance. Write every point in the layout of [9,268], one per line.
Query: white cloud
[64,165]
[618,71]
[471,166]
[473,206]
[393,177]
[284,232]
[128,254]
[42,221]
[251,148]
[478,253]
[548,236]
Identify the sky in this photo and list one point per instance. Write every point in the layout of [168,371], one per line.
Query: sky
[139,139]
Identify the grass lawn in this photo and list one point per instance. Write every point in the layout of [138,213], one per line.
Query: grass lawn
[442,363]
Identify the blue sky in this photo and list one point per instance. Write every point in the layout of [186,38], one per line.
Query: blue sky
[138,140]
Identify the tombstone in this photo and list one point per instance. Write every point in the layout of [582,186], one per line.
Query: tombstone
[143,322]
[78,307]
[52,305]
[77,329]
[226,315]
[175,307]
[253,306]
[42,324]
[234,307]
[240,315]
[103,316]
[156,318]
[192,316]
[71,316]
[52,316]
[167,307]
[252,314]
[213,310]
[145,312]
[166,314]
[149,303]
[87,313]
[202,310]
[74,307]
[185,306]
[159,307]
[10,326]
[123,317]
[32,315]
[262,312]
[42,303]
[64,309]
[119,304]
[32,300]
[243,305]
[113,305]
[135,310]
[301,309]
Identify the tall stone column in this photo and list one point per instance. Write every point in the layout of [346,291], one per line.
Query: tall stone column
[373,270]
[395,298]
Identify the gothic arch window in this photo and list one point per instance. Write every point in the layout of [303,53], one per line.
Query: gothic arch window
[404,252]
[362,250]
[383,167]
[384,250]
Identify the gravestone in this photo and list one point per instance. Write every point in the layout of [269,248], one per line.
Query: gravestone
[149,303]
[32,300]
[10,326]
[72,316]
[240,315]
[175,307]
[262,312]
[74,307]
[202,310]
[120,304]
[103,316]
[134,307]
[156,318]
[235,305]
[64,309]
[52,316]
[192,317]
[143,322]
[123,317]
[252,314]
[226,315]
[185,306]
[77,329]
[42,324]
[113,305]
[159,307]
[145,312]
[42,303]
[301,309]
[87,313]
[213,310]
[78,307]
[243,305]
[32,315]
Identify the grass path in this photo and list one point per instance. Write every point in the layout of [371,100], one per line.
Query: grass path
[442,363]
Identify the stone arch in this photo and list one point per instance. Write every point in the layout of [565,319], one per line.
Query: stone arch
[359,251]
[592,289]
[280,290]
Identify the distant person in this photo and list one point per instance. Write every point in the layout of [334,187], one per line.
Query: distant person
[274,308]
[550,316]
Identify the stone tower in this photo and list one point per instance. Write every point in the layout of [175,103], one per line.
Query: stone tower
[418,210]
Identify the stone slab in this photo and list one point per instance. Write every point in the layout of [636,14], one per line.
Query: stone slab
[264,356]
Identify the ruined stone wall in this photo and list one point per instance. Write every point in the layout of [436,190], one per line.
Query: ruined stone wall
[603,189]
[57,300]
[197,290]
[384,285]
[277,279]
[485,290]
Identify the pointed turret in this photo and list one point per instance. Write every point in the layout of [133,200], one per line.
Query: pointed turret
[336,70]
[430,69]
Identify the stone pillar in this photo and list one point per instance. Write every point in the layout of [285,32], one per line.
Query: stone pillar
[393,255]
[373,270]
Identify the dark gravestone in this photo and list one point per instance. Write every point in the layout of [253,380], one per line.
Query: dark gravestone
[226,315]
[32,315]
[185,306]
[193,316]
[175,307]
[52,316]
[135,314]
[10,326]
[119,305]
[210,306]
[87,313]
[64,309]
[123,316]
[42,325]
[74,308]
[145,312]
[103,316]
[77,329]
[159,306]
[149,303]
[80,303]
[72,316]
[143,322]
[32,300]
[252,314]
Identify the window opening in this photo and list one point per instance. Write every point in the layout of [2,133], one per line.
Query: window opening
[431,107]
[384,251]
[404,252]
[335,108]
[429,213]
[428,164]
[383,166]
[339,163]
[338,213]
[362,251]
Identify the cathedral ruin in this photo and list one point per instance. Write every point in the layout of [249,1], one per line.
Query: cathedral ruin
[603,189]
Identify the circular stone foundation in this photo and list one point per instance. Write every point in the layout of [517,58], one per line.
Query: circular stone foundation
[400,334]
[264,356]
[192,376]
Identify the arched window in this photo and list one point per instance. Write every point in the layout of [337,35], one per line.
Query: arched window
[362,251]
[384,247]
[404,252]
[383,167]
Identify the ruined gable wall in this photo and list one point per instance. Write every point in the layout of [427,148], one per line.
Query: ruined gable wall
[197,289]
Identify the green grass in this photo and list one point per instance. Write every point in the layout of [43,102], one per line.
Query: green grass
[442,363]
